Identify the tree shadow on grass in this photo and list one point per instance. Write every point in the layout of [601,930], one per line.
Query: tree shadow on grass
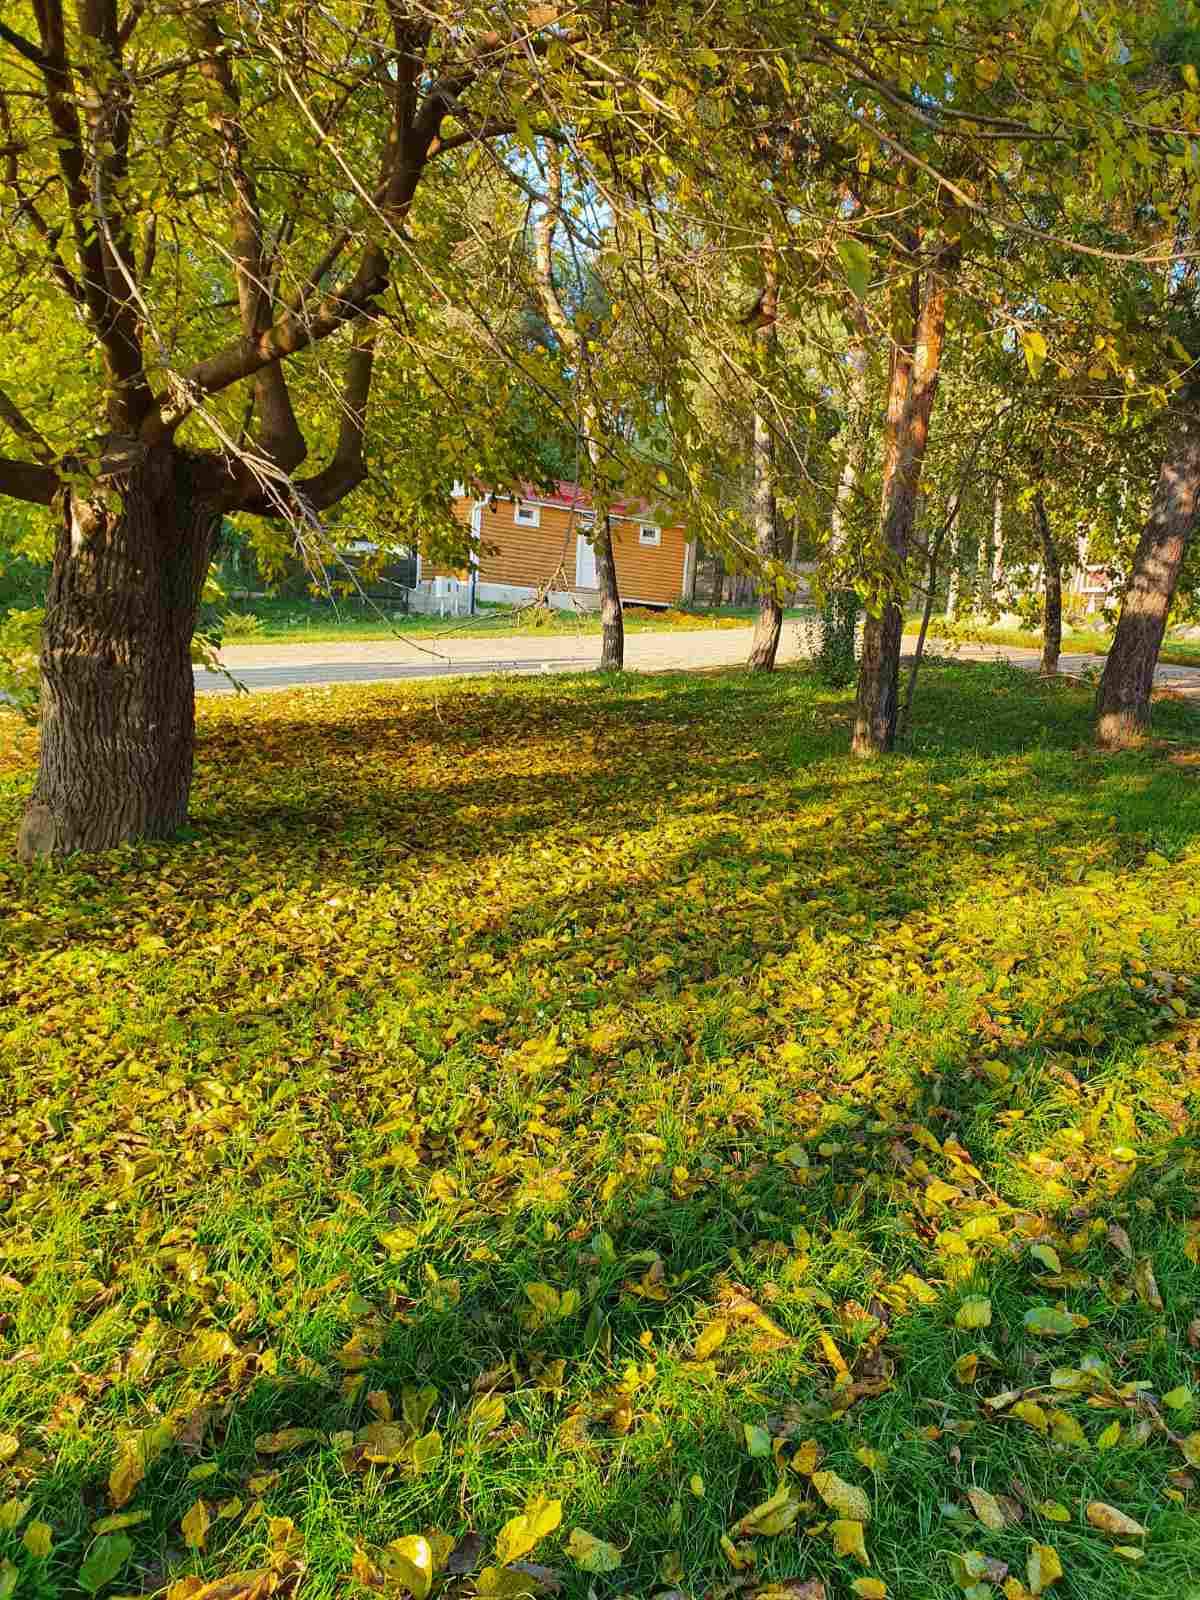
[818,1243]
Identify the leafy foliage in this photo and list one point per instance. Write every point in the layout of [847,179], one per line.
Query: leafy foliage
[559,1134]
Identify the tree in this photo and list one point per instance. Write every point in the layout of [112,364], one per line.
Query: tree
[769,623]
[168,171]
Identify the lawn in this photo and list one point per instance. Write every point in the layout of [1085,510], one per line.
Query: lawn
[1077,642]
[594,1125]
[280,621]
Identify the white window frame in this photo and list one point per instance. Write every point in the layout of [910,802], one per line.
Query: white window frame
[526,514]
[648,534]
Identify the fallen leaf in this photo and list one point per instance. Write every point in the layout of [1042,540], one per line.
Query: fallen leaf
[104,1560]
[869,1589]
[758,1440]
[195,1525]
[38,1539]
[409,1562]
[1049,1321]
[845,1498]
[987,1508]
[518,1536]
[1109,1520]
[592,1554]
[1042,1568]
[848,1540]
[1146,1285]
[711,1339]
[276,1444]
[974,1313]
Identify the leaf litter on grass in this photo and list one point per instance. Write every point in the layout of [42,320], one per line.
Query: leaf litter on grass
[547,1126]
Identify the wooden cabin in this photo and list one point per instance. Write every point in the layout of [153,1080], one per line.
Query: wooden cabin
[539,544]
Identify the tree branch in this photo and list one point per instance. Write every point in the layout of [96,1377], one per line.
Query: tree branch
[23,480]
[20,424]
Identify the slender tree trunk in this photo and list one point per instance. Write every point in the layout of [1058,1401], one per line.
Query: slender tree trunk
[952,577]
[1123,701]
[997,573]
[1052,581]
[118,709]
[612,620]
[916,367]
[769,623]
[717,596]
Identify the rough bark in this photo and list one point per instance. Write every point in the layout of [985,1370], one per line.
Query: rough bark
[1123,700]
[612,620]
[117,688]
[916,367]
[769,623]
[1052,590]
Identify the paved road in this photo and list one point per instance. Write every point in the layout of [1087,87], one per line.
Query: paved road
[386,660]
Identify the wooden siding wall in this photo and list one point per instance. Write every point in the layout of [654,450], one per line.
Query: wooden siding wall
[533,557]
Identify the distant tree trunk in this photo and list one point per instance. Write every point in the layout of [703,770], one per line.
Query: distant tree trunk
[717,596]
[952,577]
[693,571]
[916,367]
[1052,581]
[1123,701]
[118,707]
[997,573]
[990,552]
[612,620]
[769,624]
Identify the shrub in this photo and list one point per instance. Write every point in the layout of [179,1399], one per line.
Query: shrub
[240,625]
[20,670]
[832,638]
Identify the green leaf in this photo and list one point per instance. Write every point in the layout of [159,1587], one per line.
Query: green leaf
[104,1561]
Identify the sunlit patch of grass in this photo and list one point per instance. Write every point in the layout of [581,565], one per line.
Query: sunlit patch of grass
[512,1040]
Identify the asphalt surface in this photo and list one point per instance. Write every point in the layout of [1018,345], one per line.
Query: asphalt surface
[284,666]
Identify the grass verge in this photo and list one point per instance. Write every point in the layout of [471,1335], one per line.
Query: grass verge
[602,1098]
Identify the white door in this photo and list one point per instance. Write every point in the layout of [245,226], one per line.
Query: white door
[585,564]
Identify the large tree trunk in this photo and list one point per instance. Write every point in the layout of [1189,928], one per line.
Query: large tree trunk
[769,623]
[1052,586]
[916,367]
[1123,700]
[117,689]
[612,620]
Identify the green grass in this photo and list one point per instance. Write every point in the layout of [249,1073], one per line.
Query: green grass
[305,622]
[1175,652]
[640,991]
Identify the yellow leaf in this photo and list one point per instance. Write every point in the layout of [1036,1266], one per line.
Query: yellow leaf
[1191,1449]
[807,1457]
[711,1339]
[1055,1511]
[869,1589]
[1146,1285]
[498,1583]
[1109,1520]
[1029,1411]
[773,1516]
[1109,1437]
[1048,1257]
[873,1460]
[845,1498]
[123,1519]
[518,1537]
[1066,1430]
[195,1526]
[696,1485]
[277,1444]
[1178,1399]
[965,1368]
[409,1562]
[544,1298]
[38,1539]
[592,1554]
[140,1455]
[1129,1552]
[848,1540]
[9,1445]
[987,1508]
[974,1313]
[13,1513]
[486,1415]
[1042,1568]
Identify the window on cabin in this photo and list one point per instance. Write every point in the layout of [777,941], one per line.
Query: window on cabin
[649,535]
[526,515]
